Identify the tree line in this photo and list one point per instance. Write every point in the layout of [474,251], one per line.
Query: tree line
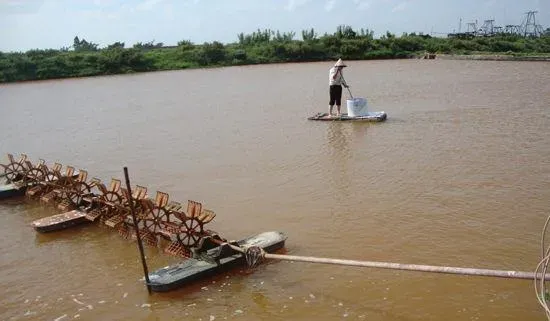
[85,58]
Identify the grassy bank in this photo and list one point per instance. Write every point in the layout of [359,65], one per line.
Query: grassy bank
[84,58]
[504,56]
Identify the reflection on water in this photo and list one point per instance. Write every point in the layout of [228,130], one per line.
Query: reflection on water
[339,167]
[458,175]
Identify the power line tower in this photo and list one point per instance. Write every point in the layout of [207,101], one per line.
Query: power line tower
[513,29]
[471,28]
[530,28]
[487,29]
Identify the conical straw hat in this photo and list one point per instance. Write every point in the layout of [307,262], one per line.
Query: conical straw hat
[339,63]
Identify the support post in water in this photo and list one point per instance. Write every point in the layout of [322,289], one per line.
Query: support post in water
[140,245]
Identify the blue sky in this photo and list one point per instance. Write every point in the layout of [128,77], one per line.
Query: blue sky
[30,24]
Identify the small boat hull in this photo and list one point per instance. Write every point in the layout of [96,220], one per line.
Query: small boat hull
[60,221]
[374,116]
[180,274]
[11,190]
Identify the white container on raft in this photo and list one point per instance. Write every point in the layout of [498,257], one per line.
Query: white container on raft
[357,107]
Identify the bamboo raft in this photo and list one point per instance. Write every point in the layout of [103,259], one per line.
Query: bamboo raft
[376,116]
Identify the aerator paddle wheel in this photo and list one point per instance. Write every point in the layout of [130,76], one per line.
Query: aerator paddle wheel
[113,217]
[123,216]
[124,231]
[154,214]
[174,217]
[60,187]
[78,191]
[190,228]
[121,219]
[44,178]
[157,219]
[14,170]
[110,201]
[34,175]
[191,232]
[143,208]
[112,198]
[53,179]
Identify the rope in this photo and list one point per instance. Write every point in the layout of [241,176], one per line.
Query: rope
[254,255]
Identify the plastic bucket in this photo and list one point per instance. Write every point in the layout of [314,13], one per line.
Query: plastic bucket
[357,107]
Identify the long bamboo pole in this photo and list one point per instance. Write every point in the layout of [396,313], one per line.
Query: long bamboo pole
[410,267]
[401,266]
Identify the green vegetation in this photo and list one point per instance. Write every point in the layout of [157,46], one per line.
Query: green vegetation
[263,46]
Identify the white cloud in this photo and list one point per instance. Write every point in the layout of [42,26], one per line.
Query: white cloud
[291,5]
[148,4]
[362,5]
[329,5]
[400,6]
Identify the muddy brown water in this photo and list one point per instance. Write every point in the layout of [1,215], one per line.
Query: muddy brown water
[458,175]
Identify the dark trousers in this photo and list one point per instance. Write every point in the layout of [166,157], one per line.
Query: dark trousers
[335,93]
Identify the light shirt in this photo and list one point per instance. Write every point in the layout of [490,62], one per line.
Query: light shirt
[338,80]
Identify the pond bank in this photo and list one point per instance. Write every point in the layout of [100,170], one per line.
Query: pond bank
[493,57]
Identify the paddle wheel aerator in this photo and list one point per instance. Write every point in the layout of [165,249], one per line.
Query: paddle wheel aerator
[80,200]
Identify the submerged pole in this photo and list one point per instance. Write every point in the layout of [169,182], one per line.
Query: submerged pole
[140,245]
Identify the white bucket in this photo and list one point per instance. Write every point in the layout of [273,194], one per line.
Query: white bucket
[357,107]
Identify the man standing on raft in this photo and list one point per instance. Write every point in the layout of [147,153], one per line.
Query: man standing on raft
[336,80]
